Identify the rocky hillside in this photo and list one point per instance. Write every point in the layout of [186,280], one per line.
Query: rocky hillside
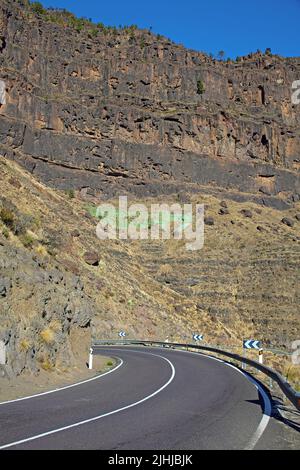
[105,110]
[90,113]
[57,278]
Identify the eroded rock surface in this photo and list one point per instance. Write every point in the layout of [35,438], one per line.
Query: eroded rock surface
[122,111]
[40,303]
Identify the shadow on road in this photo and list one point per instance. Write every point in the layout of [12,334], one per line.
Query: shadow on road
[289,416]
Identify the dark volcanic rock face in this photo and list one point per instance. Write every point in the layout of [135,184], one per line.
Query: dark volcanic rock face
[122,111]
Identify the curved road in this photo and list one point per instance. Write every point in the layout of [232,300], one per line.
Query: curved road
[155,399]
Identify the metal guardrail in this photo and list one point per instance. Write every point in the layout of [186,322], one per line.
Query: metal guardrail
[286,388]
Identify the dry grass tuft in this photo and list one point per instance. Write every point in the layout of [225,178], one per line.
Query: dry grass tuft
[55,325]
[47,335]
[25,345]
[46,364]
[41,250]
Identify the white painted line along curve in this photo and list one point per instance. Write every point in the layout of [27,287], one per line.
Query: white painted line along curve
[80,423]
[65,387]
[267,403]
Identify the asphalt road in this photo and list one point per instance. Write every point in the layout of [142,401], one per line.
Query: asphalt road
[155,399]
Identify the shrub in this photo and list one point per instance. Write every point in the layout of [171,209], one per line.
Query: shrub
[27,240]
[109,363]
[93,33]
[25,345]
[41,250]
[70,193]
[47,364]
[47,335]
[55,325]
[5,232]
[7,217]
[200,87]
[38,8]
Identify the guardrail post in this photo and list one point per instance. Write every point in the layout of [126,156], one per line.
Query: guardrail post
[91,359]
[244,356]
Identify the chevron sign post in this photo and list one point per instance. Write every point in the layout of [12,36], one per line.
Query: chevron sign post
[197,337]
[122,334]
[251,344]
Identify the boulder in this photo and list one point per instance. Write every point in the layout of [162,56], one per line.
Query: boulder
[223,211]
[209,221]
[246,213]
[92,258]
[287,221]
[75,233]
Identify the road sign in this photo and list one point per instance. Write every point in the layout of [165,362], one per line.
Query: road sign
[122,334]
[251,344]
[197,337]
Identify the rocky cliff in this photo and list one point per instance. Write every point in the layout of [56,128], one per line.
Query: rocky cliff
[110,111]
[125,110]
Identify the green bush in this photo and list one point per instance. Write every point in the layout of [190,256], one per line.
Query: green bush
[70,193]
[200,87]
[38,8]
[5,232]
[93,33]
[27,240]
[7,217]
[65,18]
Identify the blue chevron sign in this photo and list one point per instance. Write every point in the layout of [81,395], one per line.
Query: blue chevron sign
[197,337]
[251,344]
[122,334]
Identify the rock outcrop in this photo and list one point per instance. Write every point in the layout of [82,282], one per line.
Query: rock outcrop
[125,110]
[40,303]
[109,112]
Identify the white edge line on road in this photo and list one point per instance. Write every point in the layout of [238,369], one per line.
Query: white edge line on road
[64,388]
[267,403]
[267,409]
[80,423]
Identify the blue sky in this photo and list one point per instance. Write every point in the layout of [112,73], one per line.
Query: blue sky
[234,26]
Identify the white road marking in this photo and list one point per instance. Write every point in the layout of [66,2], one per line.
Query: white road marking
[64,388]
[267,403]
[265,419]
[80,423]
[266,410]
